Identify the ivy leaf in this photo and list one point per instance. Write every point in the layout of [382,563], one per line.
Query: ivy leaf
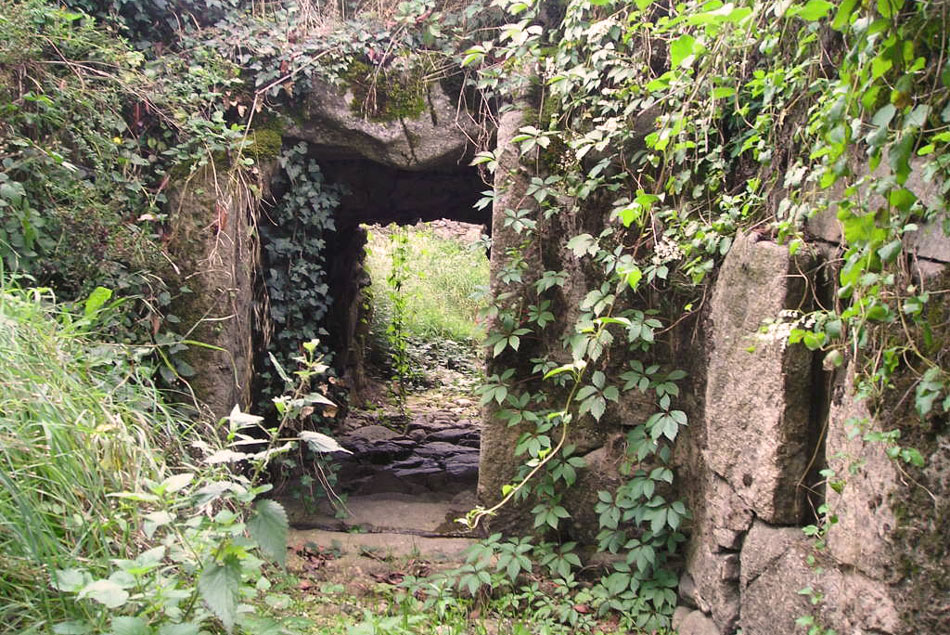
[219,586]
[268,527]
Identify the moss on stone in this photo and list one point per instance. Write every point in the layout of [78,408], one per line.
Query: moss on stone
[386,95]
[266,140]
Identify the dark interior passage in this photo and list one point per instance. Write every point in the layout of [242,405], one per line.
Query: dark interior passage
[378,194]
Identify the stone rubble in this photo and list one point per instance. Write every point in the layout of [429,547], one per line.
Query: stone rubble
[437,450]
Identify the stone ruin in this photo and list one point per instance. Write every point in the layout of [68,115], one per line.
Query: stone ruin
[765,417]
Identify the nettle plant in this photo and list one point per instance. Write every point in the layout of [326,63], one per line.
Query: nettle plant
[681,122]
[208,533]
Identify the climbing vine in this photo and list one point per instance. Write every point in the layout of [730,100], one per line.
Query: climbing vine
[687,124]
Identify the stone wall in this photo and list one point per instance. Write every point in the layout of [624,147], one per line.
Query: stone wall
[214,252]
[766,419]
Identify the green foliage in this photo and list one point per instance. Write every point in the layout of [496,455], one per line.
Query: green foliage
[396,329]
[93,135]
[442,285]
[295,242]
[738,101]
[103,532]
[158,22]
[72,189]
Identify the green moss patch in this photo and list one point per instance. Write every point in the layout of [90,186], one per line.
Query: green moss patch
[383,95]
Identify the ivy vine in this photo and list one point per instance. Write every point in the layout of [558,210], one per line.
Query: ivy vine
[294,236]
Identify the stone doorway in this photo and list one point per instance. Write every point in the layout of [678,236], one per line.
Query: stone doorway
[420,458]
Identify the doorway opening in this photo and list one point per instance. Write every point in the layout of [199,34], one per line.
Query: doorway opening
[406,256]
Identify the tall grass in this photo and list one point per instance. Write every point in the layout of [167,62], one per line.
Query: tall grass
[441,289]
[77,422]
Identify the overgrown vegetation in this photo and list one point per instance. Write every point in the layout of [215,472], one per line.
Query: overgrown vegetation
[295,235]
[756,117]
[681,124]
[118,516]
[442,285]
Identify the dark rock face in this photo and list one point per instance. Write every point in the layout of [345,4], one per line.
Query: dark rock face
[436,453]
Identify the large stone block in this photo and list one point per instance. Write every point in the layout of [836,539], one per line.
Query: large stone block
[216,253]
[758,388]
[721,520]
[775,569]
[930,241]
[861,537]
[332,122]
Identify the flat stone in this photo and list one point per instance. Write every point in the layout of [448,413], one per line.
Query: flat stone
[462,467]
[380,452]
[679,614]
[414,461]
[443,450]
[449,435]
[698,623]
[373,433]
[417,472]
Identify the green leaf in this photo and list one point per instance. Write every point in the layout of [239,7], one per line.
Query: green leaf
[634,276]
[681,49]
[812,11]
[319,442]
[176,483]
[70,580]
[186,628]
[105,592]
[843,16]
[126,625]
[898,157]
[280,369]
[96,300]
[219,586]
[74,627]
[889,252]
[268,527]
[583,244]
